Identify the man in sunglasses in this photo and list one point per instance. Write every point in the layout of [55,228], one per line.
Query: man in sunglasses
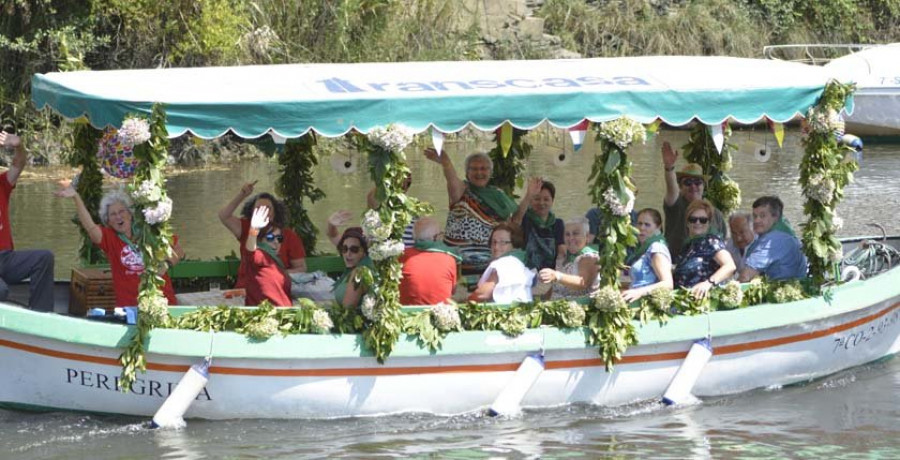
[682,188]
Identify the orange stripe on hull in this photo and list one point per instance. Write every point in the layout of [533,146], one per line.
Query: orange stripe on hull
[383,370]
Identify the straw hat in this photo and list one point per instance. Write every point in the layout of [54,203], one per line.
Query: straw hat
[690,170]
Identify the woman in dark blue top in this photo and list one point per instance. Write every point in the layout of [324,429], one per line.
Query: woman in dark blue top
[704,262]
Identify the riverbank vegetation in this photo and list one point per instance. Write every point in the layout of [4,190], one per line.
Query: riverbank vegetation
[56,35]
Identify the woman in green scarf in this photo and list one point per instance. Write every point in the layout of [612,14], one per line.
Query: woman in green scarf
[544,240]
[576,273]
[704,261]
[355,251]
[650,265]
[475,207]
[266,275]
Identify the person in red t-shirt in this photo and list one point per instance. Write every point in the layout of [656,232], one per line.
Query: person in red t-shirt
[15,266]
[291,252]
[266,278]
[429,267]
[116,239]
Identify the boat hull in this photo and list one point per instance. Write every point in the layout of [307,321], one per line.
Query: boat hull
[56,362]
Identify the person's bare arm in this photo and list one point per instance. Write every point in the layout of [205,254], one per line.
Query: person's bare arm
[726,269]
[354,292]
[669,156]
[84,216]
[662,267]
[747,274]
[226,214]
[531,190]
[20,158]
[455,186]
[485,290]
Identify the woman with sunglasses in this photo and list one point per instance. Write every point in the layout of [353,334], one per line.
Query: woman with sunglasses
[266,275]
[704,261]
[506,279]
[355,251]
[291,251]
[650,265]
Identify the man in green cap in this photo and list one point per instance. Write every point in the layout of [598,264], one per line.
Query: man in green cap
[682,188]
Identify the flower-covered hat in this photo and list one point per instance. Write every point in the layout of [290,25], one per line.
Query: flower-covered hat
[691,170]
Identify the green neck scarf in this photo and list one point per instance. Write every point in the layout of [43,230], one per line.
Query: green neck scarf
[782,225]
[643,247]
[268,249]
[585,250]
[691,240]
[437,246]
[495,199]
[536,219]
[134,234]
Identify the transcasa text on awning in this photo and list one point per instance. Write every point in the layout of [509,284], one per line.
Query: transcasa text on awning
[342,85]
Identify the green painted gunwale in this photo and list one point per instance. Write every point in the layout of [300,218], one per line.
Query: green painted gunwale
[184,343]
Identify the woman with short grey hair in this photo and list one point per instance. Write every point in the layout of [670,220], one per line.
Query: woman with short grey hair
[118,239]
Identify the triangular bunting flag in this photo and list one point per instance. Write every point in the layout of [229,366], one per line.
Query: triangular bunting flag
[437,140]
[577,133]
[778,130]
[718,136]
[505,138]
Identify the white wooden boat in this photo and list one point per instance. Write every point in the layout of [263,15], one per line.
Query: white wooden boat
[58,362]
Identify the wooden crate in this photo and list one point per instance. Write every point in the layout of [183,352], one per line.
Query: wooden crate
[90,288]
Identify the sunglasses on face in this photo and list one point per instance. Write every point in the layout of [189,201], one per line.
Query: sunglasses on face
[350,249]
[698,220]
[690,182]
[270,237]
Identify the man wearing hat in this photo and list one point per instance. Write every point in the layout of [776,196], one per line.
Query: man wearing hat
[682,188]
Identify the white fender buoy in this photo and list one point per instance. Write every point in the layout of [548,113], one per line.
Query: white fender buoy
[679,390]
[171,413]
[850,273]
[507,402]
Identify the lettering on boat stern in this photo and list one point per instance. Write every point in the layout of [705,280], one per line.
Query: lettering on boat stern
[141,387]
[855,337]
[341,85]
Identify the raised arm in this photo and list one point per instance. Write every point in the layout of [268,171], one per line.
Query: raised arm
[226,214]
[336,220]
[455,186]
[20,158]
[669,156]
[531,190]
[84,217]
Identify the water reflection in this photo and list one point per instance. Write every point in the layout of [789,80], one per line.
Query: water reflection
[40,220]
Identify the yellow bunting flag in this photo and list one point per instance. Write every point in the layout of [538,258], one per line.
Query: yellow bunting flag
[506,132]
[653,128]
[778,130]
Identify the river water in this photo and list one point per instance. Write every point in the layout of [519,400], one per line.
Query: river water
[854,414]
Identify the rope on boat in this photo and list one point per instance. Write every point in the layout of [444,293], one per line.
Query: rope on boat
[872,257]
[212,338]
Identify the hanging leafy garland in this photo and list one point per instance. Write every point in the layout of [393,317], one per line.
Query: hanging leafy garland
[825,170]
[152,232]
[613,192]
[383,228]
[508,168]
[89,186]
[297,184]
[721,191]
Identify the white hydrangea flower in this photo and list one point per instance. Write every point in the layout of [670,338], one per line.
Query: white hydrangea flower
[732,295]
[159,213]
[445,317]
[154,308]
[608,298]
[262,330]
[820,188]
[134,131]
[147,192]
[374,228]
[838,223]
[367,307]
[836,255]
[615,206]
[384,250]
[321,322]
[623,132]
[394,137]
[575,314]
[824,121]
